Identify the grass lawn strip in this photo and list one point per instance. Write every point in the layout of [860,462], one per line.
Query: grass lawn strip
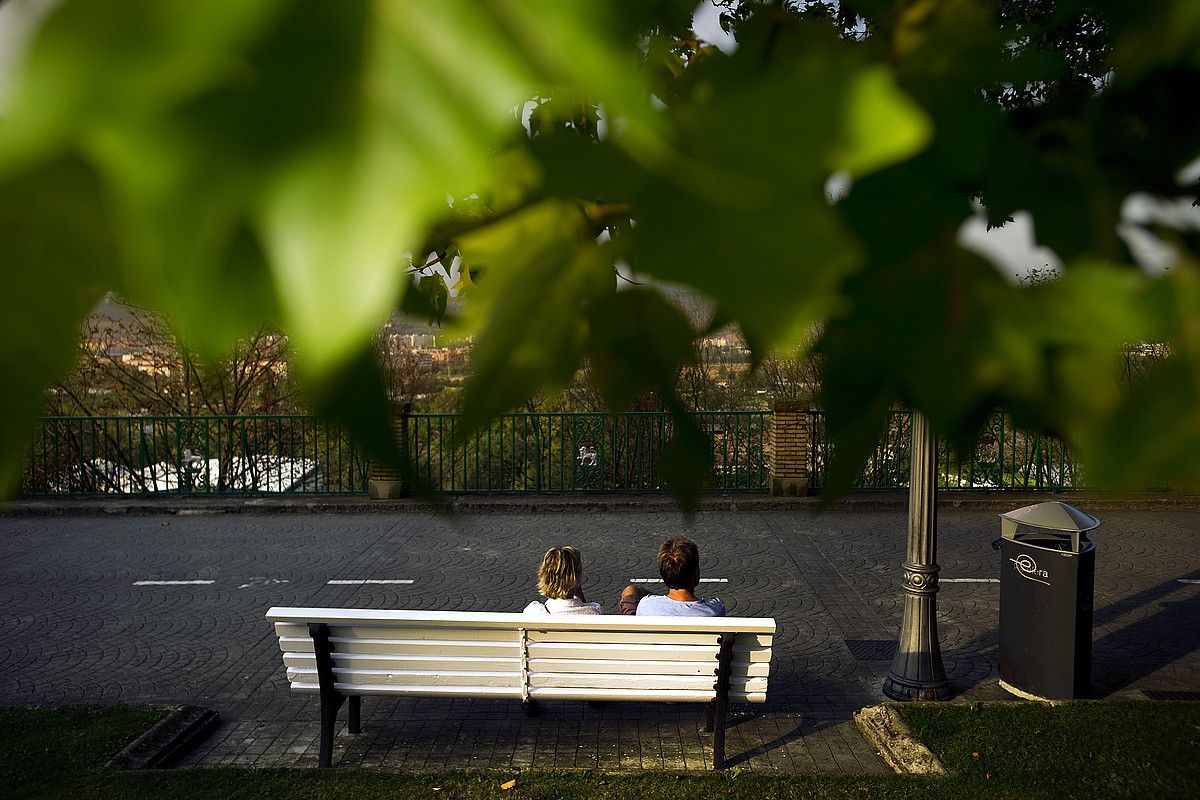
[1079,749]
[1011,751]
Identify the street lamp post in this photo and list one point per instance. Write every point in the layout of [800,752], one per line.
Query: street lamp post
[916,672]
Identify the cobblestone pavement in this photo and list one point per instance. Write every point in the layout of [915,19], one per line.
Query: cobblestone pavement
[74,627]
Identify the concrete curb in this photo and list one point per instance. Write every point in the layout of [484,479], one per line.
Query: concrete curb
[566,504]
[169,740]
[895,741]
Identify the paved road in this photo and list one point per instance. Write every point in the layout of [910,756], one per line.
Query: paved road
[80,623]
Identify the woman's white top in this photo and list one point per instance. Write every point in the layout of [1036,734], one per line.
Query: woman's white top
[569,605]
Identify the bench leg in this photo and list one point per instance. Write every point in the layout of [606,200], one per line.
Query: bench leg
[329,709]
[708,723]
[720,703]
[354,713]
[530,707]
[719,732]
[331,698]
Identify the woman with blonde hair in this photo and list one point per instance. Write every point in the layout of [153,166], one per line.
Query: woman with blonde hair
[560,580]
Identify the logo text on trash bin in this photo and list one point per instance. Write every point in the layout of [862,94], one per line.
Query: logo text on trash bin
[1029,569]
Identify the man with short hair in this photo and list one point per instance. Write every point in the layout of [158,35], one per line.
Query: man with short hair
[679,566]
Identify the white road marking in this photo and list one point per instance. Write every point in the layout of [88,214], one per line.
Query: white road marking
[1189,580]
[659,580]
[172,583]
[360,582]
[263,582]
[969,580]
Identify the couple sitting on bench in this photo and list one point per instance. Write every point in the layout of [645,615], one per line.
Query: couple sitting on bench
[560,580]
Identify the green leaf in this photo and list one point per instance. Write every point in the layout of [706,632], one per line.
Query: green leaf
[883,125]
[1059,345]
[93,65]
[1150,437]
[275,160]
[429,301]
[1153,34]
[540,271]
[686,460]
[57,249]
[638,341]
[282,160]
[739,211]
[354,398]
[436,293]
[335,226]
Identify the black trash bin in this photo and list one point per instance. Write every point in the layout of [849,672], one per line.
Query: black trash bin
[1047,577]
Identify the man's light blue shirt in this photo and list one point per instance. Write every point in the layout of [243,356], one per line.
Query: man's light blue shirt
[657,605]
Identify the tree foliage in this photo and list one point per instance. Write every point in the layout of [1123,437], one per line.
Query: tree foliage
[231,163]
[130,362]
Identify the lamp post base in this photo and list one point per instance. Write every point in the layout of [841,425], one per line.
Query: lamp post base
[916,672]
[899,688]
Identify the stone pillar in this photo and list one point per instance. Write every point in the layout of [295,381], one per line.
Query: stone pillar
[788,448]
[385,481]
[916,672]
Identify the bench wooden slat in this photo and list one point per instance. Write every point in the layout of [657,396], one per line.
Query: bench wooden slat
[446,647]
[638,695]
[641,652]
[485,619]
[621,637]
[648,637]
[392,661]
[411,677]
[404,632]
[604,682]
[744,655]
[386,690]
[599,666]
[646,652]
[747,697]
[654,696]
[468,663]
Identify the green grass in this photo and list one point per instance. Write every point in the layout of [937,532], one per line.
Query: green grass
[1092,750]
[1082,749]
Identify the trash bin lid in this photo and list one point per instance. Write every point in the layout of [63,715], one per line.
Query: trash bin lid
[1053,516]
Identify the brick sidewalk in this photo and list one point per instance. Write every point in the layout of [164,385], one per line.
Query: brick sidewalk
[76,629]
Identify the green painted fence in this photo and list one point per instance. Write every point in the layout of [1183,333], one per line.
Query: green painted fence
[580,452]
[301,454]
[192,455]
[517,453]
[1004,458]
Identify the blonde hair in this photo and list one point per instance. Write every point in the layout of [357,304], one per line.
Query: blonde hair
[560,572]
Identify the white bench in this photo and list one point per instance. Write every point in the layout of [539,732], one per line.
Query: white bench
[353,653]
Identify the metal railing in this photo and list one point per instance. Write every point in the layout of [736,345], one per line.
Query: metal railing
[539,452]
[1004,458]
[581,452]
[266,454]
[192,455]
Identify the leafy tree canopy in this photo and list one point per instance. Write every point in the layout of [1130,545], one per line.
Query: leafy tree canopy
[231,163]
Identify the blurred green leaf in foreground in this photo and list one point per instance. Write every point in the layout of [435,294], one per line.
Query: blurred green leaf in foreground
[231,163]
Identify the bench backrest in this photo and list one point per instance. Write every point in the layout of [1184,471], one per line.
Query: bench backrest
[483,654]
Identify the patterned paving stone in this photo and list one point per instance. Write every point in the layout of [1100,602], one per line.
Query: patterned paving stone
[75,629]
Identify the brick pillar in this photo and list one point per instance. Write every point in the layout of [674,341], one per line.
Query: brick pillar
[384,481]
[788,448]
